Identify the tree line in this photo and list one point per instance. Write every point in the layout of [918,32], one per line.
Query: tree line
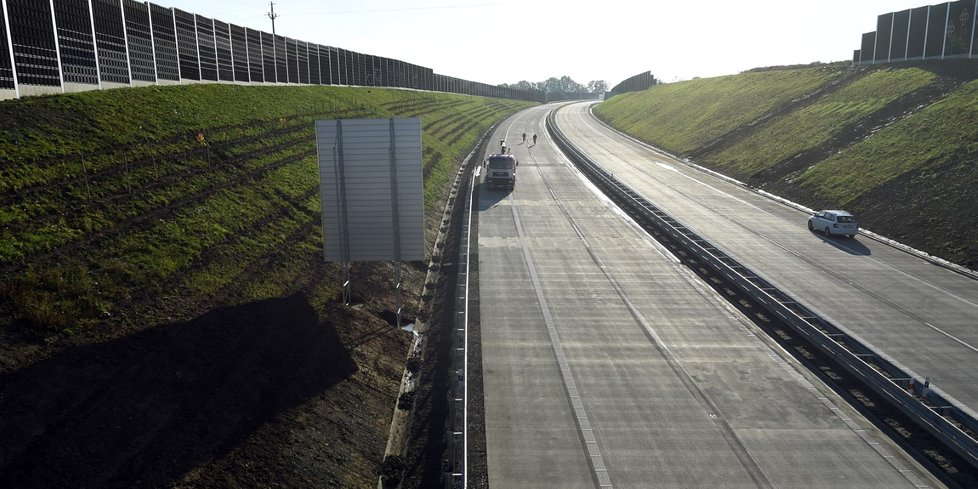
[564,84]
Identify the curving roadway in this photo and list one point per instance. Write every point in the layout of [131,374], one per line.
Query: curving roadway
[918,315]
[607,364]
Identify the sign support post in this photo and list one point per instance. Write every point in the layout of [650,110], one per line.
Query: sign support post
[392,152]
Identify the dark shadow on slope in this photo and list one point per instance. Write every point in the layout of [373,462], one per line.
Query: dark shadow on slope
[143,410]
[962,70]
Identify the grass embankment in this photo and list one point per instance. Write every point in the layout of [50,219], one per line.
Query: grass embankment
[109,198]
[193,332]
[883,142]
[685,116]
[937,135]
[812,125]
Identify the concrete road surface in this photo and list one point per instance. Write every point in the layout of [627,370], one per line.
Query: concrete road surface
[608,364]
[921,316]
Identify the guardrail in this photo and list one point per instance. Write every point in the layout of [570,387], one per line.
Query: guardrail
[913,396]
[463,192]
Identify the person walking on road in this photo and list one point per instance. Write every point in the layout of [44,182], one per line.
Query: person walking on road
[524,138]
[534,139]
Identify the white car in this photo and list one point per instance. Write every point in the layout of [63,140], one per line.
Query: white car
[834,222]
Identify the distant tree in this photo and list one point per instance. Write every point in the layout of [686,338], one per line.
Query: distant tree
[568,85]
[564,84]
[597,86]
[551,84]
[523,85]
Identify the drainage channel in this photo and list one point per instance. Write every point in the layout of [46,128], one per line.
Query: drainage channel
[936,433]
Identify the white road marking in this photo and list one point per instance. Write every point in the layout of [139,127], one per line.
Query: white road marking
[666,167]
[949,335]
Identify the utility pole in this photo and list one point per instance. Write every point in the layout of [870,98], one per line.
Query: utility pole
[272,15]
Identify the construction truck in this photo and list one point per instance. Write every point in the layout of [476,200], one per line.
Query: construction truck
[501,171]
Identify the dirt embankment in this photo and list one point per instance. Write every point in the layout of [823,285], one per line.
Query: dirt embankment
[285,392]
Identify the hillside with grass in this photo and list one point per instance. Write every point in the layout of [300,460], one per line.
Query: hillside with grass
[166,316]
[895,144]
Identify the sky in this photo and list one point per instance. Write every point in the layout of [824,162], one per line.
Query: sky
[504,41]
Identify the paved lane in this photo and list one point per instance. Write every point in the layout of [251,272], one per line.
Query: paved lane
[920,315]
[607,364]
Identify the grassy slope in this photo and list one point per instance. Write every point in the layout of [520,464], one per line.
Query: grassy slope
[860,136]
[116,186]
[938,133]
[121,233]
[813,125]
[690,114]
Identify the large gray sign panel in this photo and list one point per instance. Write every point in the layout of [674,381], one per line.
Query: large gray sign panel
[371,184]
